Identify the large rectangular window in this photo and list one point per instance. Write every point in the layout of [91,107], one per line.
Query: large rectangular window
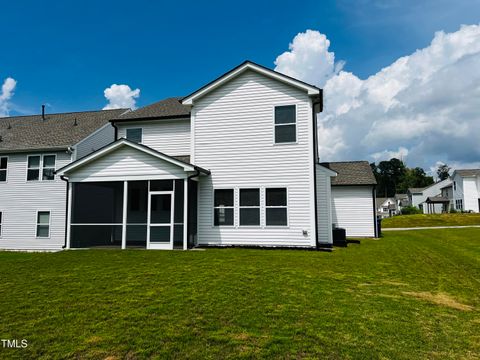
[43,224]
[135,135]
[285,124]
[250,207]
[3,168]
[223,207]
[44,165]
[276,207]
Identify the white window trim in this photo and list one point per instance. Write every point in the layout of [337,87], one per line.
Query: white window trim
[224,207]
[277,207]
[41,167]
[6,170]
[259,207]
[49,224]
[275,125]
[134,128]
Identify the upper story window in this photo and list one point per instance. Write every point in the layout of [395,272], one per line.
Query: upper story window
[135,135]
[250,207]
[223,207]
[3,168]
[285,124]
[41,167]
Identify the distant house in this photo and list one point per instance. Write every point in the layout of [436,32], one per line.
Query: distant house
[386,207]
[353,198]
[429,199]
[466,190]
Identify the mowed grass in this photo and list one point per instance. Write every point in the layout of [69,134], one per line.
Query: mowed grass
[409,295]
[420,220]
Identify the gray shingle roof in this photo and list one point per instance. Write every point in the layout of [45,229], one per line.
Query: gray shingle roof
[468,172]
[351,173]
[167,108]
[57,131]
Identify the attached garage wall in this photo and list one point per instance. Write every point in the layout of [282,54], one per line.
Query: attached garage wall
[352,209]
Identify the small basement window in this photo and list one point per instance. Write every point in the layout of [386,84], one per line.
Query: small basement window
[249,207]
[43,224]
[276,207]
[223,207]
[285,124]
[3,168]
[135,135]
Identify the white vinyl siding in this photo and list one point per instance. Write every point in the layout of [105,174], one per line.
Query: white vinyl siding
[21,200]
[324,208]
[470,194]
[171,137]
[233,137]
[103,136]
[127,163]
[352,209]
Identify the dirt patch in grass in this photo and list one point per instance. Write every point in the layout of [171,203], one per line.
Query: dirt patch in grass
[439,299]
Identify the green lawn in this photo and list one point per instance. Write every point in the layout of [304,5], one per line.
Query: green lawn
[420,220]
[409,295]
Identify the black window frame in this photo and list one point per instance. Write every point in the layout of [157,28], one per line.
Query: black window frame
[278,124]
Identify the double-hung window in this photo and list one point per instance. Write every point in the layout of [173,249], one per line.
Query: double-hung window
[250,207]
[135,135]
[276,207]
[41,167]
[285,124]
[43,224]
[3,168]
[223,207]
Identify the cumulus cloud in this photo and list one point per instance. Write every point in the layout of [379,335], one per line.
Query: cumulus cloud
[6,94]
[423,107]
[120,96]
[309,58]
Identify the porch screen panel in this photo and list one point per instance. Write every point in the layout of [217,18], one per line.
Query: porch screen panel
[96,214]
[178,214]
[137,208]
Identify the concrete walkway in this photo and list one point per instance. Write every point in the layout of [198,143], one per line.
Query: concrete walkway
[430,227]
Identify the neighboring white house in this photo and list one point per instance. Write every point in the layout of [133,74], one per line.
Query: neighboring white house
[233,163]
[32,197]
[466,190]
[386,207]
[429,199]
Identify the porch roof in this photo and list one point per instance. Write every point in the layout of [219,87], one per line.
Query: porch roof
[122,142]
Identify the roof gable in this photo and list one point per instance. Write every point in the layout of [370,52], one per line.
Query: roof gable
[248,65]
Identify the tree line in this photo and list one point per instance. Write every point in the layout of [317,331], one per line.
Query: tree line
[394,177]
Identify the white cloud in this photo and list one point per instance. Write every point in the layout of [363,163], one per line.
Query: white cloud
[424,105]
[6,94]
[309,58]
[120,96]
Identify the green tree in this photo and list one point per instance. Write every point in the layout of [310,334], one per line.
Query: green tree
[443,172]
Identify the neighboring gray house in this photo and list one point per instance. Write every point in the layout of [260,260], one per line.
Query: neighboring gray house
[466,190]
[32,197]
[233,163]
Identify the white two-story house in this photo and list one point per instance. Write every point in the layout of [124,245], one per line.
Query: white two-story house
[233,163]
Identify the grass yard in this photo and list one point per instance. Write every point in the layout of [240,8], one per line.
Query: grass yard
[409,295]
[420,220]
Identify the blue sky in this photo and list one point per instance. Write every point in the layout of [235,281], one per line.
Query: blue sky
[66,53]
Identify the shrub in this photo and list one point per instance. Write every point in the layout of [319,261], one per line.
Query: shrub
[410,210]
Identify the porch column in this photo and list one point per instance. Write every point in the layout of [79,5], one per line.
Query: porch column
[185,214]
[124,218]
[69,215]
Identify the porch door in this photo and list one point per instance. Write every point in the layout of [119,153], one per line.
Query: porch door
[160,220]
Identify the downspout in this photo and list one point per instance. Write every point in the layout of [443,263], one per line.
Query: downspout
[115,129]
[315,160]
[189,178]
[66,212]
